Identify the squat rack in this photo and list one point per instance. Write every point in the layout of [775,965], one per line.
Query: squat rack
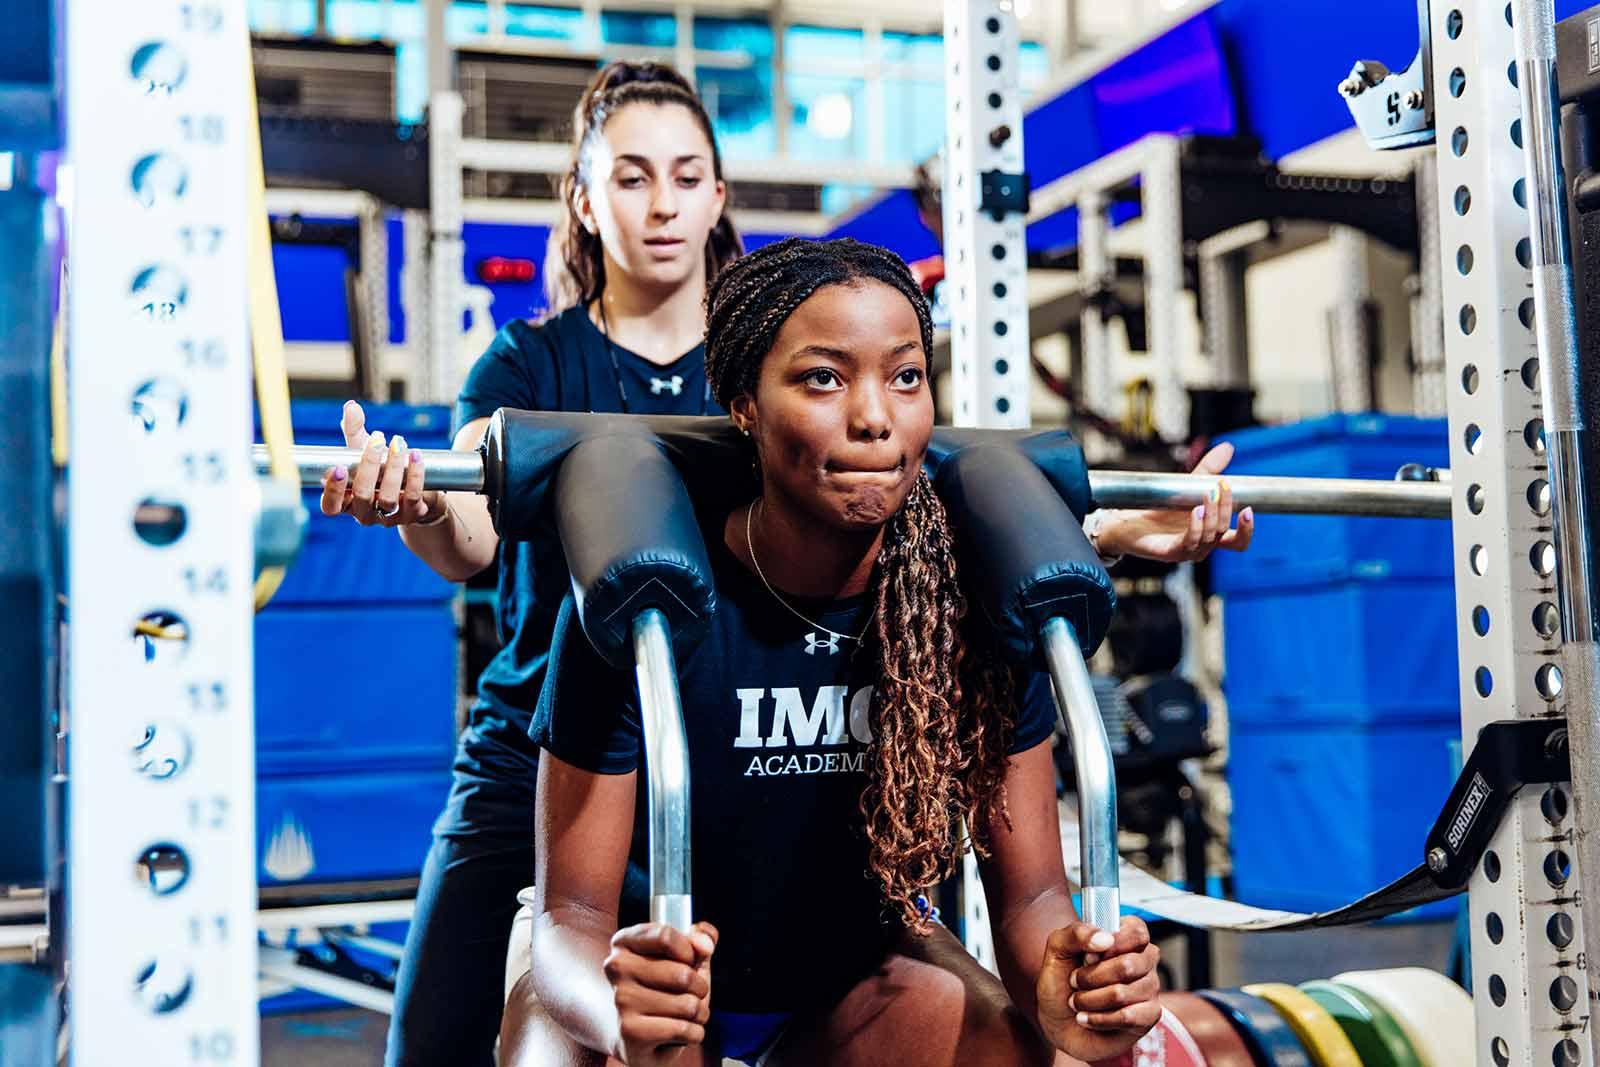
[1517,556]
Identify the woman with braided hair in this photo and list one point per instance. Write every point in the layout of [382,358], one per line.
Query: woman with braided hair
[643,231]
[843,722]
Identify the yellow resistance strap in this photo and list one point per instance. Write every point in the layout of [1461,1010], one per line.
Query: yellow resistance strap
[266,325]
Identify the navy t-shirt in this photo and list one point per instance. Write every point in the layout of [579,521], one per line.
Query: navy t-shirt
[777,717]
[562,364]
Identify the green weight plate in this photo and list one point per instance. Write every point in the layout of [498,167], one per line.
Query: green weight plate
[1434,1012]
[1376,1036]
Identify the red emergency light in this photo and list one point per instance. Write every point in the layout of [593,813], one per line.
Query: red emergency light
[499,270]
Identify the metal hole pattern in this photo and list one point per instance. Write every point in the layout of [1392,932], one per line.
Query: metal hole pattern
[1533,436]
[1547,680]
[1539,496]
[1560,930]
[1491,865]
[1546,619]
[1552,805]
[1557,868]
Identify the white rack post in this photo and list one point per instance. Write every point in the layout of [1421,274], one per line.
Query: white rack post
[985,254]
[1529,986]
[986,266]
[441,347]
[162,911]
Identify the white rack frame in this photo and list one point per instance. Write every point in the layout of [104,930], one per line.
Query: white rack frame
[1153,162]
[1493,399]
[985,258]
[187,330]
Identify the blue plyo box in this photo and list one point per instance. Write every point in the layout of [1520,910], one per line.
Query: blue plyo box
[1325,815]
[326,703]
[346,826]
[1373,649]
[1298,550]
[342,562]
[1335,615]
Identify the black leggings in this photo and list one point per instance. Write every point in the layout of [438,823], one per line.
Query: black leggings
[451,987]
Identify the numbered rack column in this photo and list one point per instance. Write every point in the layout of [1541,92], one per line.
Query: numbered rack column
[985,205]
[162,904]
[1528,982]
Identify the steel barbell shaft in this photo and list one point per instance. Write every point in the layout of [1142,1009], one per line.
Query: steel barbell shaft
[1291,496]
[463,472]
[442,468]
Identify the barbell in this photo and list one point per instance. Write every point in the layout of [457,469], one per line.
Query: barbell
[463,472]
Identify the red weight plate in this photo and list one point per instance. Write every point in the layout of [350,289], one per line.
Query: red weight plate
[1212,1032]
[1168,1044]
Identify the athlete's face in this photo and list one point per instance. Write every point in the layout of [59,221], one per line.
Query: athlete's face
[841,412]
[653,195]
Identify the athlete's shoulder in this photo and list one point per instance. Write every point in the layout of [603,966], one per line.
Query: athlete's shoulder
[562,330]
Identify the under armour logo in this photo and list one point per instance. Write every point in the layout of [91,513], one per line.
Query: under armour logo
[831,644]
[673,385]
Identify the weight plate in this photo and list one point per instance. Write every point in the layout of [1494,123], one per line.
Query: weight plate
[1434,1012]
[1374,1033]
[1213,1034]
[1314,1027]
[1167,1044]
[1271,1041]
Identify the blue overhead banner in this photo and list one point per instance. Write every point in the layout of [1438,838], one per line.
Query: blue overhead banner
[1260,67]
[1176,83]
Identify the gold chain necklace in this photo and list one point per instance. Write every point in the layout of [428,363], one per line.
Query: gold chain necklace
[750,546]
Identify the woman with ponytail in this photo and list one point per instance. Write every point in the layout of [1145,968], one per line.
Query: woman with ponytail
[644,230]
[845,722]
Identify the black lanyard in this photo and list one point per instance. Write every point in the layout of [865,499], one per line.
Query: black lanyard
[616,371]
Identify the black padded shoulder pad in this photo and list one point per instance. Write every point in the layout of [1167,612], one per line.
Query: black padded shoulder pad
[1023,549]
[1016,498]
[625,518]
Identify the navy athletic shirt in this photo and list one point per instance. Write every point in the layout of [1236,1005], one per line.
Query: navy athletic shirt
[777,719]
[562,364]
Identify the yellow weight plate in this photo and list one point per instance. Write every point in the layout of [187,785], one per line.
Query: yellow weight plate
[1434,1012]
[1318,1031]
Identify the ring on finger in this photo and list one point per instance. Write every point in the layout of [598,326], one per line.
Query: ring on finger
[378,510]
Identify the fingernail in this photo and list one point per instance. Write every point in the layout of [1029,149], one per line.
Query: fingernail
[1083,1020]
[1101,941]
[1247,516]
[1200,511]
[1073,980]
[340,474]
[376,442]
[1216,493]
[415,457]
[1072,1003]
[398,445]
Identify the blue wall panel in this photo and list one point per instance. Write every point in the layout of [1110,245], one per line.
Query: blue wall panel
[311,285]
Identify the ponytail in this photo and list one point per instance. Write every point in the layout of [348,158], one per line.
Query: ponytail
[574,262]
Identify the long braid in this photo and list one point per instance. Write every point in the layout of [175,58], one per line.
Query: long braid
[942,714]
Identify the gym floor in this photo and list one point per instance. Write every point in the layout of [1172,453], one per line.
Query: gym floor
[354,1038]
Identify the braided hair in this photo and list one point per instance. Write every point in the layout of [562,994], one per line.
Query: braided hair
[942,714]
[574,262]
